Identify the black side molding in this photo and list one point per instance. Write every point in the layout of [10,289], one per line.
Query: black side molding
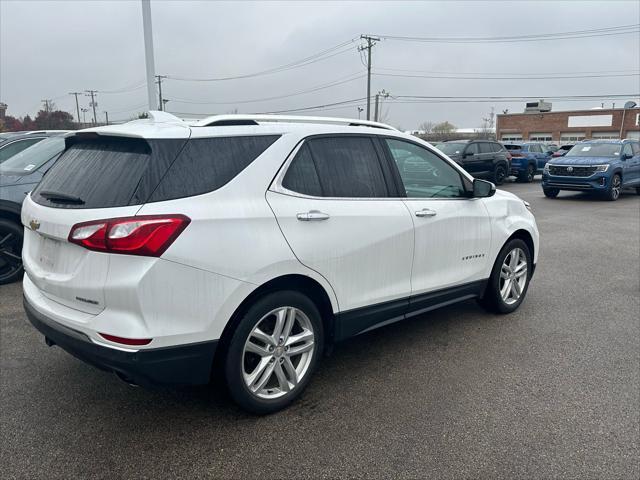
[359,320]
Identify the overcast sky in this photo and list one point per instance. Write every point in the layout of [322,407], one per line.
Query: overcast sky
[50,48]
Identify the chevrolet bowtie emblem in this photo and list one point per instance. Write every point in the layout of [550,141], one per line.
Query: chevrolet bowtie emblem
[569,169]
[34,224]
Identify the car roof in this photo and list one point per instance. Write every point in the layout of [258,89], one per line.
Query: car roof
[165,125]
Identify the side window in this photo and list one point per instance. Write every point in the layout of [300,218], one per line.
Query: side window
[472,148]
[423,173]
[16,147]
[636,148]
[485,147]
[535,149]
[301,176]
[206,164]
[627,149]
[348,167]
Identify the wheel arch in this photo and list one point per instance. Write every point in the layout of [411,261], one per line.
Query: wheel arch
[296,282]
[526,237]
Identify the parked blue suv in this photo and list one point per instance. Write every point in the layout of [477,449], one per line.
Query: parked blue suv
[528,159]
[599,166]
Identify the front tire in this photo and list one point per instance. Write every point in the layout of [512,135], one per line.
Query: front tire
[274,351]
[613,193]
[509,280]
[550,192]
[499,174]
[11,237]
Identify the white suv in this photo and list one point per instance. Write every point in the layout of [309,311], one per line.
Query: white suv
[160,249]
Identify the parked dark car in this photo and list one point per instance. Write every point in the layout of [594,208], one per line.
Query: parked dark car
[598,166]
[562,151]
[18,175]
[528,159]
[12,143]
[481,158]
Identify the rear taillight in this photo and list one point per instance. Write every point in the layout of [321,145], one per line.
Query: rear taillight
[517,155]
[148,235]
[556,154]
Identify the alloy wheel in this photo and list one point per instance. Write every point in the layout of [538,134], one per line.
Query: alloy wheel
[10,254]
[278,352]
[530,173]
[500,175]
[615,187]
[513,276]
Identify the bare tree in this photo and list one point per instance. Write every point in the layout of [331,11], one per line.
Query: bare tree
[426,127]
[488,124]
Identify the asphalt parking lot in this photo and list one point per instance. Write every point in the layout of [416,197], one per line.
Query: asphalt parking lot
[550,391]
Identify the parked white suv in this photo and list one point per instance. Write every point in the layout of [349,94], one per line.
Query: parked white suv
[159,249]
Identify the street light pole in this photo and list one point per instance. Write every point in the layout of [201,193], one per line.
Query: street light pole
[148,54]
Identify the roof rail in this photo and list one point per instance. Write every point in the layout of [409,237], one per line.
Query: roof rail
[248,119]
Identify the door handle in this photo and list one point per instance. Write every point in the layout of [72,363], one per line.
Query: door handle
[312,216]
[426,212]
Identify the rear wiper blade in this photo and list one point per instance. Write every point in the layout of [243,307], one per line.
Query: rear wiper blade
[59,197]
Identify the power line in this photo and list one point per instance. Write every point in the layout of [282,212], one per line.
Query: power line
[339,81]
[597,32]
[317,57]
[504,73]
[455,77]
[93,104]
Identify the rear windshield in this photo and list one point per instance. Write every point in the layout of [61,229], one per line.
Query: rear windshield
[106,172]
[512,147]
[595,150]
[33,157]
[451,148]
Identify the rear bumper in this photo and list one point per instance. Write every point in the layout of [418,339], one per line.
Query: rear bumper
[594,183]
[188,364]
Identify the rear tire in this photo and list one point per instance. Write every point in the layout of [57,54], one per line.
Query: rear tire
[550,192]
[11,237]
[509,280]
[263,373]
[613,193]
[528,176]
[499,174]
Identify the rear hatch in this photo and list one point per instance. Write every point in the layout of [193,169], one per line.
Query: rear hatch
[97,177]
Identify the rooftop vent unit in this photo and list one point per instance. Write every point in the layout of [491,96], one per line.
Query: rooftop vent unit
[538,107]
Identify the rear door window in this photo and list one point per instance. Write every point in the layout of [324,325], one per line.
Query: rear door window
[301,176]
[485,147]
[472,148]
[346,166]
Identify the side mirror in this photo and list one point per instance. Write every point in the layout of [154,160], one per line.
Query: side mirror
[625,156]
[483,188]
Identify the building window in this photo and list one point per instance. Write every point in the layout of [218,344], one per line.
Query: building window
[606,135]
[540,137]
[571,137]
[511,137]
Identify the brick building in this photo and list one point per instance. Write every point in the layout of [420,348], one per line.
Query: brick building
[569,126]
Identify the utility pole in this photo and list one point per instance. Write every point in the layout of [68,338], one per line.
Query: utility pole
[383,94]
[160,100]
[93,104]
[370,43]
[360,109]
[84,116]
[106,117]
[77,104]
[148,52]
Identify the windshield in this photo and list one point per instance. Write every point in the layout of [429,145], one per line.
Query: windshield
[451,148]
[32,158]
[595,150]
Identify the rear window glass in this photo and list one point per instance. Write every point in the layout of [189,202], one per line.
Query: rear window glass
[301,175]
[513,147]
[95,174]
[206,164]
